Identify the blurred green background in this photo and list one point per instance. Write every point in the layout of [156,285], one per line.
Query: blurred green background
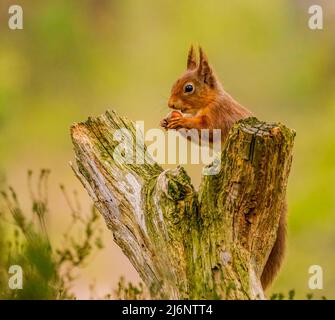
[74,59]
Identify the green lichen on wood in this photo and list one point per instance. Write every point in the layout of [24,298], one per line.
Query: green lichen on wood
[210,244]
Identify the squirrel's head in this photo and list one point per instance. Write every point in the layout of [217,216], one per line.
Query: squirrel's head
[197,87]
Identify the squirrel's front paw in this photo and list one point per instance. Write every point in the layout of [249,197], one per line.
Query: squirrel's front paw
[164,123]
[176,123]
[171,116]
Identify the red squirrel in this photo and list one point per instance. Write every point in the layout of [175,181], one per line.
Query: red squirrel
[199,94]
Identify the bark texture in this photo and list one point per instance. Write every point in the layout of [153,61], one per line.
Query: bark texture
[186,244]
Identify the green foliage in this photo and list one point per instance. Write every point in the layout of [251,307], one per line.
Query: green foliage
[291,296]
[48,272]
[129,291]
[75,252]
[30,248]
[281,296]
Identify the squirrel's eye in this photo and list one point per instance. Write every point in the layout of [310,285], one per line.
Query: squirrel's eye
[188,88]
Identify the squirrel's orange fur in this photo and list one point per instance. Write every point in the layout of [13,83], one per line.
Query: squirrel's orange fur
[209,107]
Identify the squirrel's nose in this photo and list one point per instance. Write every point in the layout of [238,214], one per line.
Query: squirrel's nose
[171,104]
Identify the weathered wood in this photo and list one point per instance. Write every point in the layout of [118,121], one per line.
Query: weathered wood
[186,244]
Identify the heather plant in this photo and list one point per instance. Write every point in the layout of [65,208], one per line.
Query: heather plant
[48,271]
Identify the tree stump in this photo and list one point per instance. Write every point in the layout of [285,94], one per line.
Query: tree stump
[186,244]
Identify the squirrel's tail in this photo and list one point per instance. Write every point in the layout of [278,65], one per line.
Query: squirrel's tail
[276,256]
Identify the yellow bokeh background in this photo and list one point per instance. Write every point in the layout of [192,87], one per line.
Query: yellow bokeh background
[74,59]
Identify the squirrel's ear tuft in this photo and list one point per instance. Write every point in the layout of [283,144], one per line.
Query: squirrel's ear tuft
[205,72]
[191,59]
